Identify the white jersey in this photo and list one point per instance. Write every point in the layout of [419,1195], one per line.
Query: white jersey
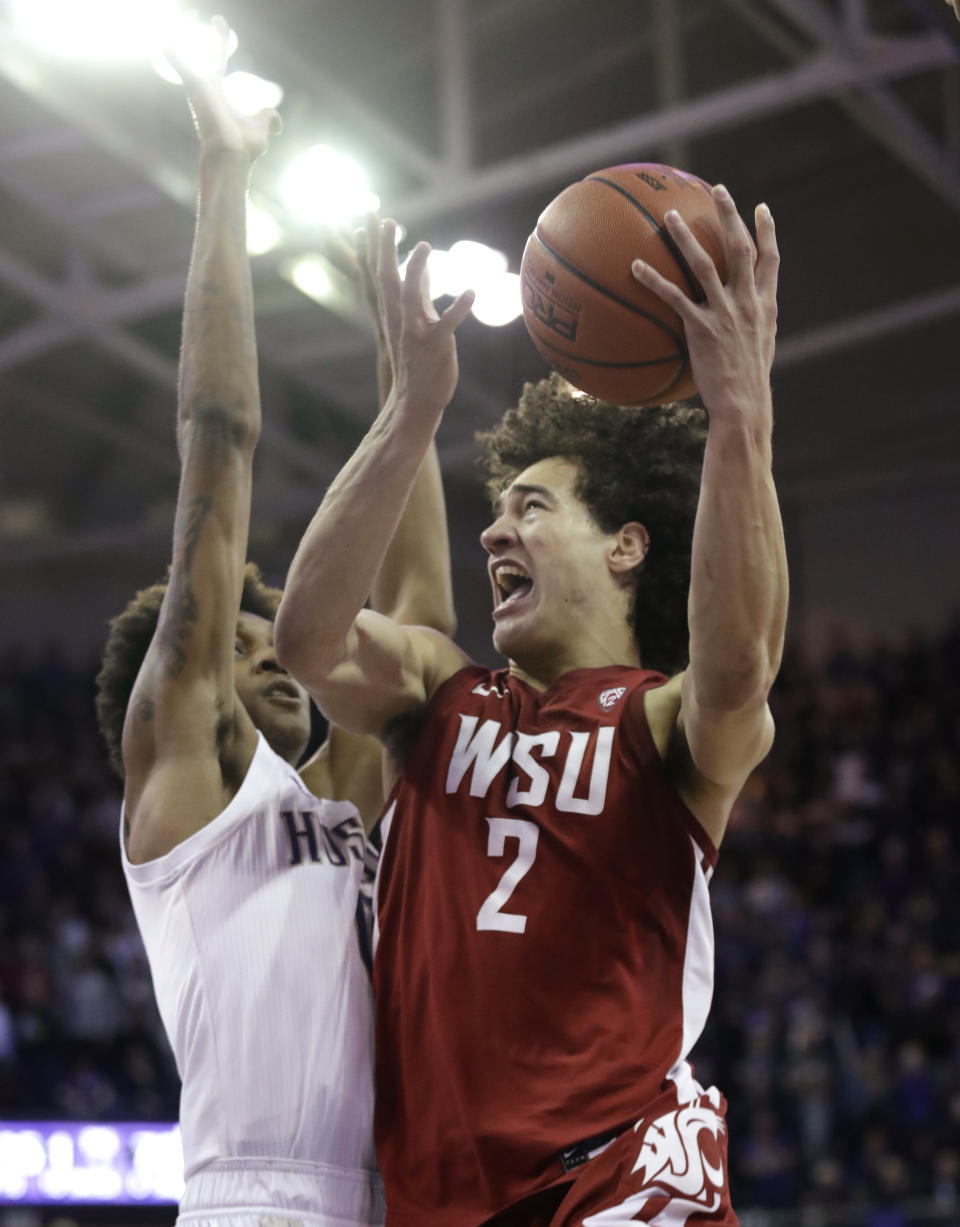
[255,929]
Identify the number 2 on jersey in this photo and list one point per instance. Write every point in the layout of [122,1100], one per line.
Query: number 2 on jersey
[526,833]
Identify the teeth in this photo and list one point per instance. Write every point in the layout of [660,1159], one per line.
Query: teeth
[504,575]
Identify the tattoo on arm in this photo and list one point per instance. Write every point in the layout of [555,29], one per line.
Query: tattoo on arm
[182,602]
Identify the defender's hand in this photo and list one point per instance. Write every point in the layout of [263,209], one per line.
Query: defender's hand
[421,343]
[730,336]
[222,129]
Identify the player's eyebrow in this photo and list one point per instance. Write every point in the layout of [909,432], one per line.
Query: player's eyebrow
[522,491]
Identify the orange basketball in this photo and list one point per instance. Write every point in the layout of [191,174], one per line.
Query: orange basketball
[586,312]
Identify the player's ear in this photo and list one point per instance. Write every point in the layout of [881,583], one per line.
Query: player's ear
[628,548]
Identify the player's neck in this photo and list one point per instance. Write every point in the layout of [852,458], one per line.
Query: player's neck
[541,672]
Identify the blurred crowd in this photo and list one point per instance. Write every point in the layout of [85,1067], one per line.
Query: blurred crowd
[80,1037]
[835,1030]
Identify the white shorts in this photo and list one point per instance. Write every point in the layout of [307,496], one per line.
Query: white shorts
[281,1193]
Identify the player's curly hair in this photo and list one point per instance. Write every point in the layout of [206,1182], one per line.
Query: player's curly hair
[128,638]
[634,464]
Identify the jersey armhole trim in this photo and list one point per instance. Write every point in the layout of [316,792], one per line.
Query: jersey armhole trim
[189,849]
[641,725]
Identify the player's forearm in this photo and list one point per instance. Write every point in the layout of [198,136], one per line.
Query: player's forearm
[343,550]
[218,360]
[738,579]
[413,585]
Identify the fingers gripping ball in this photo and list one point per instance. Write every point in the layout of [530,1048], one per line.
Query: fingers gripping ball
[587,314]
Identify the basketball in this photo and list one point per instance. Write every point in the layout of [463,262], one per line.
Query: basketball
[586,312]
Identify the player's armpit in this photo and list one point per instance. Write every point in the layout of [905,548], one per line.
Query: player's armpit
[708,754]
[385,671]
[185,752]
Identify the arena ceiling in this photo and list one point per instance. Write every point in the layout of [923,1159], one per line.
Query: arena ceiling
[844,115]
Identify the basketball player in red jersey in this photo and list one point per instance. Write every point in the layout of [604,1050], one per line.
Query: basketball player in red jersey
[544,957]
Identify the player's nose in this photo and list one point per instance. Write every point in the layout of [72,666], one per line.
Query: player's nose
[266,661]
[498,535]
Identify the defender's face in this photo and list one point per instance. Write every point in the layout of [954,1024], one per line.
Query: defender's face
[276,703]
[548,564]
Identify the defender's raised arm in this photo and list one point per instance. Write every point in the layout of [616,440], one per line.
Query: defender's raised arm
[365,669]
[413,586]
[185,732]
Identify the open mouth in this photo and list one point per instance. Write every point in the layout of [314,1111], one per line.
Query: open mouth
[283,688]
[511,583]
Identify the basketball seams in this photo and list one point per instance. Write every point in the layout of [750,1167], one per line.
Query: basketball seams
[623,302]
[584,311]
[693,284]
[652,398]
[623,366]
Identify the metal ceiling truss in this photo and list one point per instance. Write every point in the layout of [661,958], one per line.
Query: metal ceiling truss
[849,65]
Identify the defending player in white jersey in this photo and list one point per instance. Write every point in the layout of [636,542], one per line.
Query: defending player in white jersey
[249,890]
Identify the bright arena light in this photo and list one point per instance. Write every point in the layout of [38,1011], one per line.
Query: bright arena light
[327,187]
[439,272]
[98,29]
[248,93]
[498,300]
[263,230]
[196,42]
[310,276]
[474,266]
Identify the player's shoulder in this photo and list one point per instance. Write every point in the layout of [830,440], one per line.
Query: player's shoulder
[172,791]
[440,657]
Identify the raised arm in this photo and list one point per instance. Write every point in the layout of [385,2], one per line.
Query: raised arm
[413,585]
[738,580]
[187,740]
[364,669]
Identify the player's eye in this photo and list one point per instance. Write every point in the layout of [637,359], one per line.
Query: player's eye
[238,649]
[531,503]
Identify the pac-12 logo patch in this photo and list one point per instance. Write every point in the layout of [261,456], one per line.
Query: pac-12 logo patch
[610,698]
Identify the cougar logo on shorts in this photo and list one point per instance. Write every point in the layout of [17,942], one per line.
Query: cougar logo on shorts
[672,1157]
[610,698]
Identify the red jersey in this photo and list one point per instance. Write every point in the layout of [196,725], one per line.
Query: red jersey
[544,957]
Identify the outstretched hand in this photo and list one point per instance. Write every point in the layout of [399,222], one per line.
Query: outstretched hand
[220,127]
[420,343]
[956,7]
[731,335]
